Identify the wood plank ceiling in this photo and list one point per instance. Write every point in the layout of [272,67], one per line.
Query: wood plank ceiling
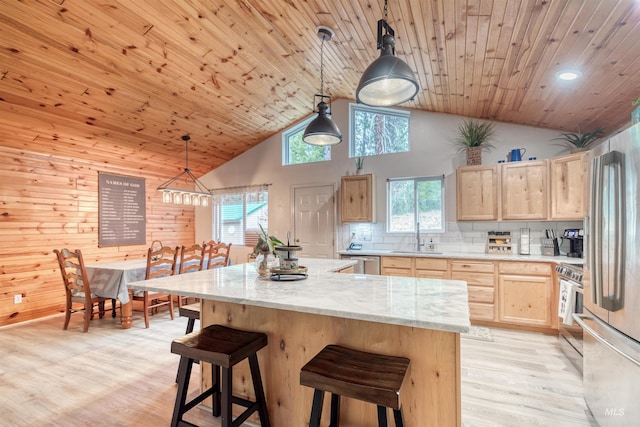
[89,77]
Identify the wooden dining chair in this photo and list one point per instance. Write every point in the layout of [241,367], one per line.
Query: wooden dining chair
[160,263]
[217,254]
[77,288]
[192,259]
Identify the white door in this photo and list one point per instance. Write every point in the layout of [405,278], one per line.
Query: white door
[314,221]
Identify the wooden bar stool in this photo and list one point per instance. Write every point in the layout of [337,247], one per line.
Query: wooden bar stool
[223,348]
[191,312]
[370,377]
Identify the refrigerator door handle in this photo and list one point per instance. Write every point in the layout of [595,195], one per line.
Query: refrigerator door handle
[615,160]
[582,319]
[595,254]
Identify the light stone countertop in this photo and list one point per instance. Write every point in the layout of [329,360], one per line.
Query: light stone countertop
[465,255]
[422,303]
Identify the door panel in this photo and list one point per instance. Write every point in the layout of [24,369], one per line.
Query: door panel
[314,221]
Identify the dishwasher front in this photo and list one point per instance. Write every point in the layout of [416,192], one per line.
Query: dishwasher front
[366,264]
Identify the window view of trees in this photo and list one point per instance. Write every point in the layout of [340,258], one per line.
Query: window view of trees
[376,131]
[416,200]
[297,151]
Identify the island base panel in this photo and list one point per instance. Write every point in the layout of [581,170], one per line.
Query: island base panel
[430,394]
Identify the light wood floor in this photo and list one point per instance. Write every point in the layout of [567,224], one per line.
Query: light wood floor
[115,377]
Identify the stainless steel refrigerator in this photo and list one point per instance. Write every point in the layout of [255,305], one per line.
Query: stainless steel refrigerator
[611,320]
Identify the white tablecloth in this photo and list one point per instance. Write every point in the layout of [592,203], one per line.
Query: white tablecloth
[110,279]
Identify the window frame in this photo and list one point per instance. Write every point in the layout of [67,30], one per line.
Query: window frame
[217,221]
[286,135]
[355,107]
[416,180]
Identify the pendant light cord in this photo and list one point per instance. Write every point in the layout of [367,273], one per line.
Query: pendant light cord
[322,67]
[385,10]
[186,139]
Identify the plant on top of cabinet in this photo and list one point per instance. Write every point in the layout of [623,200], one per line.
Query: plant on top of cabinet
[474,137]
[580,141]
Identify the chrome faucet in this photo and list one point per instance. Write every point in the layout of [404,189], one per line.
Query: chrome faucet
[418,242]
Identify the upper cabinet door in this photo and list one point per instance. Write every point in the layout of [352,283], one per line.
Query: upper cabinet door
[357,198]
[525,190]
[567,187]
[477,193]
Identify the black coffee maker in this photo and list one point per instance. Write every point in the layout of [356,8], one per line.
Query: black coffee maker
[576,239]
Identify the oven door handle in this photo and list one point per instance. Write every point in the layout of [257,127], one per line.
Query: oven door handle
[582,319]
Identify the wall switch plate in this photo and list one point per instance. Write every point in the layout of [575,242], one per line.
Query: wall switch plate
[17,299]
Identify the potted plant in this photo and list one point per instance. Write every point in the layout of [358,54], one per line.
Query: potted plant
[580,141]
[265,252]
[473,138]
[359,164]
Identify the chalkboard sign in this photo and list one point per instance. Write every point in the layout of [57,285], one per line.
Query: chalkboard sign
[122,210]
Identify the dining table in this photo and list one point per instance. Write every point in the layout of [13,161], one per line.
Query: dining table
[111,279]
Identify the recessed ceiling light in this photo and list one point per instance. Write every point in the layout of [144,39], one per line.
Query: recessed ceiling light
[568,75]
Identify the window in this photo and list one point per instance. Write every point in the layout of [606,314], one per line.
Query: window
[374,131]
[295,151]
[413,201]
[236,215]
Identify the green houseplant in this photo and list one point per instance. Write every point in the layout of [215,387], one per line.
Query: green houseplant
[266,243]
[265,252]
[580,141]
[473,138]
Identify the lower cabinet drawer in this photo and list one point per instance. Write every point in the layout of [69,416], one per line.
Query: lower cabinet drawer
[481,311]
[481,294]
[477,279]
[432,274]
[388,271]
[474,266]
[431,264]
[397,262]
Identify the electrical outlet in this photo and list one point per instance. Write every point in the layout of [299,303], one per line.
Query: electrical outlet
[17,299]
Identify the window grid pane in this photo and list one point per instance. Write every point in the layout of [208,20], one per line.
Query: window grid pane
[238,216]
[378,131]
[297,151]
[415,200]
[402,206]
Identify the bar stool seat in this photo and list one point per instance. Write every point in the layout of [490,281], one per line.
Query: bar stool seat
[370,377]
[222,347]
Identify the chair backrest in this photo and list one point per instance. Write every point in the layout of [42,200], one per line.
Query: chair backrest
[192,258]
[74,274]
[218,254]
[162,262]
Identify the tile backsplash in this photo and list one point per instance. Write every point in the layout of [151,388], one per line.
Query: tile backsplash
[470,237]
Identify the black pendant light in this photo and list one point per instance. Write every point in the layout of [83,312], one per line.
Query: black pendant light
[322,130]
[388,80]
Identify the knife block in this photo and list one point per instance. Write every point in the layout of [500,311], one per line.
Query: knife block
[550,247]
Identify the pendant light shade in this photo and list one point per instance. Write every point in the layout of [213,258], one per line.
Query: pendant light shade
[388,80]
[322,130]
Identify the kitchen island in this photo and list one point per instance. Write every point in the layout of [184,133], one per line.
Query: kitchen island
[420,319]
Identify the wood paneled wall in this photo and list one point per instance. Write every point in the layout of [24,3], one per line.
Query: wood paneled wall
[49,202]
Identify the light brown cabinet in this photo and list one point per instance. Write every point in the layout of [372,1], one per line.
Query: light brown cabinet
[526,295]
[524,190]
[396,266]
[567,183]
[434,268]
[481,278]
[357,198]
[477,193]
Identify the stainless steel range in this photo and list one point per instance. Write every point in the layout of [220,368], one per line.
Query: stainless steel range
[570,301]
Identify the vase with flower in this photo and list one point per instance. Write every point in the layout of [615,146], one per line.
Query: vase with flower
[265,253]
